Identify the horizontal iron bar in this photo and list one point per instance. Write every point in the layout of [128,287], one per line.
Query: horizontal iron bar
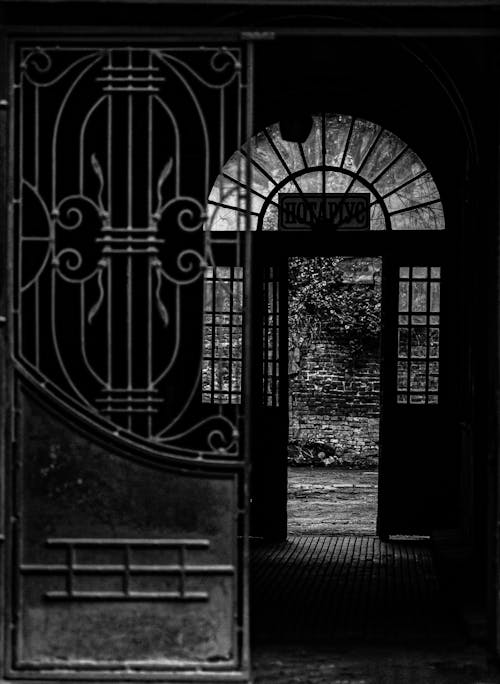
[131,390]
[130,68]
[129,250]
[164,543]
[131,239]
[132,400]
[128,409]
[129,229]
[132,596]
[82,568]
[130,89]
[129,79]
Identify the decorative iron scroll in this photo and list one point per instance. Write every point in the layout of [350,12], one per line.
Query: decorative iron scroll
[117,151]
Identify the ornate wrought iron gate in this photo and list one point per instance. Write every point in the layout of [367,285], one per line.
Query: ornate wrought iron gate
[127,514]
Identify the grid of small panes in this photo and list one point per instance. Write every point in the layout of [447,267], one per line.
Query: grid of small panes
[222,335]
[418,335]
[270,359]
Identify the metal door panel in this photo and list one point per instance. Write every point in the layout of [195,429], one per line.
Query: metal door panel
[118,561]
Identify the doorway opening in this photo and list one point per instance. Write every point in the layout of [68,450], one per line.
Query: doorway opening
[334,366]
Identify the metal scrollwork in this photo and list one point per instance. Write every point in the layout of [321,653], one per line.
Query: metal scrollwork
[118,149]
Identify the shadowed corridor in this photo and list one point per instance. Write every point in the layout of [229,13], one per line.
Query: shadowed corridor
[332,608]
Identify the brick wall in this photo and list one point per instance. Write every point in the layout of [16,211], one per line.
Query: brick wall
[335,402]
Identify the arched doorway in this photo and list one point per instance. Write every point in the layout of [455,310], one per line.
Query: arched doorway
[348,187]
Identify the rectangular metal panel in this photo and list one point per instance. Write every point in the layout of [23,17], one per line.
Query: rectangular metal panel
[117,563]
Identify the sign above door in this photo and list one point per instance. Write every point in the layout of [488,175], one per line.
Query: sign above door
[309,211]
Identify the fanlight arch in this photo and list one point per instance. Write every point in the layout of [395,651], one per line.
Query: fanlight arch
[343,154]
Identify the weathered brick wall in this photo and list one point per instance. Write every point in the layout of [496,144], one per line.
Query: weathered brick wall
[337,403]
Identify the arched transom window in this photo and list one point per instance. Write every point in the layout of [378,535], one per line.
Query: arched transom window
[342,155]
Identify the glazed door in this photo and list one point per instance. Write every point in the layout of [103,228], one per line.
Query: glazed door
[269,455]
[126,533]
[417,487]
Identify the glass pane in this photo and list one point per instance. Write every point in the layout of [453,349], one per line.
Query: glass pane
[407,166]
[432,399]
[436,272]
[435,292]
[433,383]
[337,128]
[419,272]
[363,135]
[402,376]
[403,320]
[419,296]
[402,399]
[403,296]
[386,150]
[419,320]
[434,343]
[417,377]
[417,192]
[417,398]
[419,342]
[434,320]
[420,218]
[404,272]
[434,368]
[403,343]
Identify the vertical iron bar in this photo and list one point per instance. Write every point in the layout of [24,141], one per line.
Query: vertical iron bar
[109,313]
[70,551]
[129,152]
[274,327]
[323,155]
[265,339]
[37,323]
[110,148]
[427,333]
[150,343]
[239,144]
[182,575]
[230,331]
[214,330]
[126,573]
[248,357]
[129,336]
[347,142]
[36,144]
[150,145]
[410,310]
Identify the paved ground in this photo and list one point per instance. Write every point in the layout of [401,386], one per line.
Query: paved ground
[331,501]
[335,605]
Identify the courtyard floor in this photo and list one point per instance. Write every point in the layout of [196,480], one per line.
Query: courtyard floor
[332,501]
[334,604]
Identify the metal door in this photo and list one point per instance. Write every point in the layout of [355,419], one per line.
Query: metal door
[126,534]
[417,487]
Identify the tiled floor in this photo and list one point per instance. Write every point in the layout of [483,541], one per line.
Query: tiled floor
[335,605]
[353,609]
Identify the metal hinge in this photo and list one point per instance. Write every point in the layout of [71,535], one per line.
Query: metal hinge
[258,35]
